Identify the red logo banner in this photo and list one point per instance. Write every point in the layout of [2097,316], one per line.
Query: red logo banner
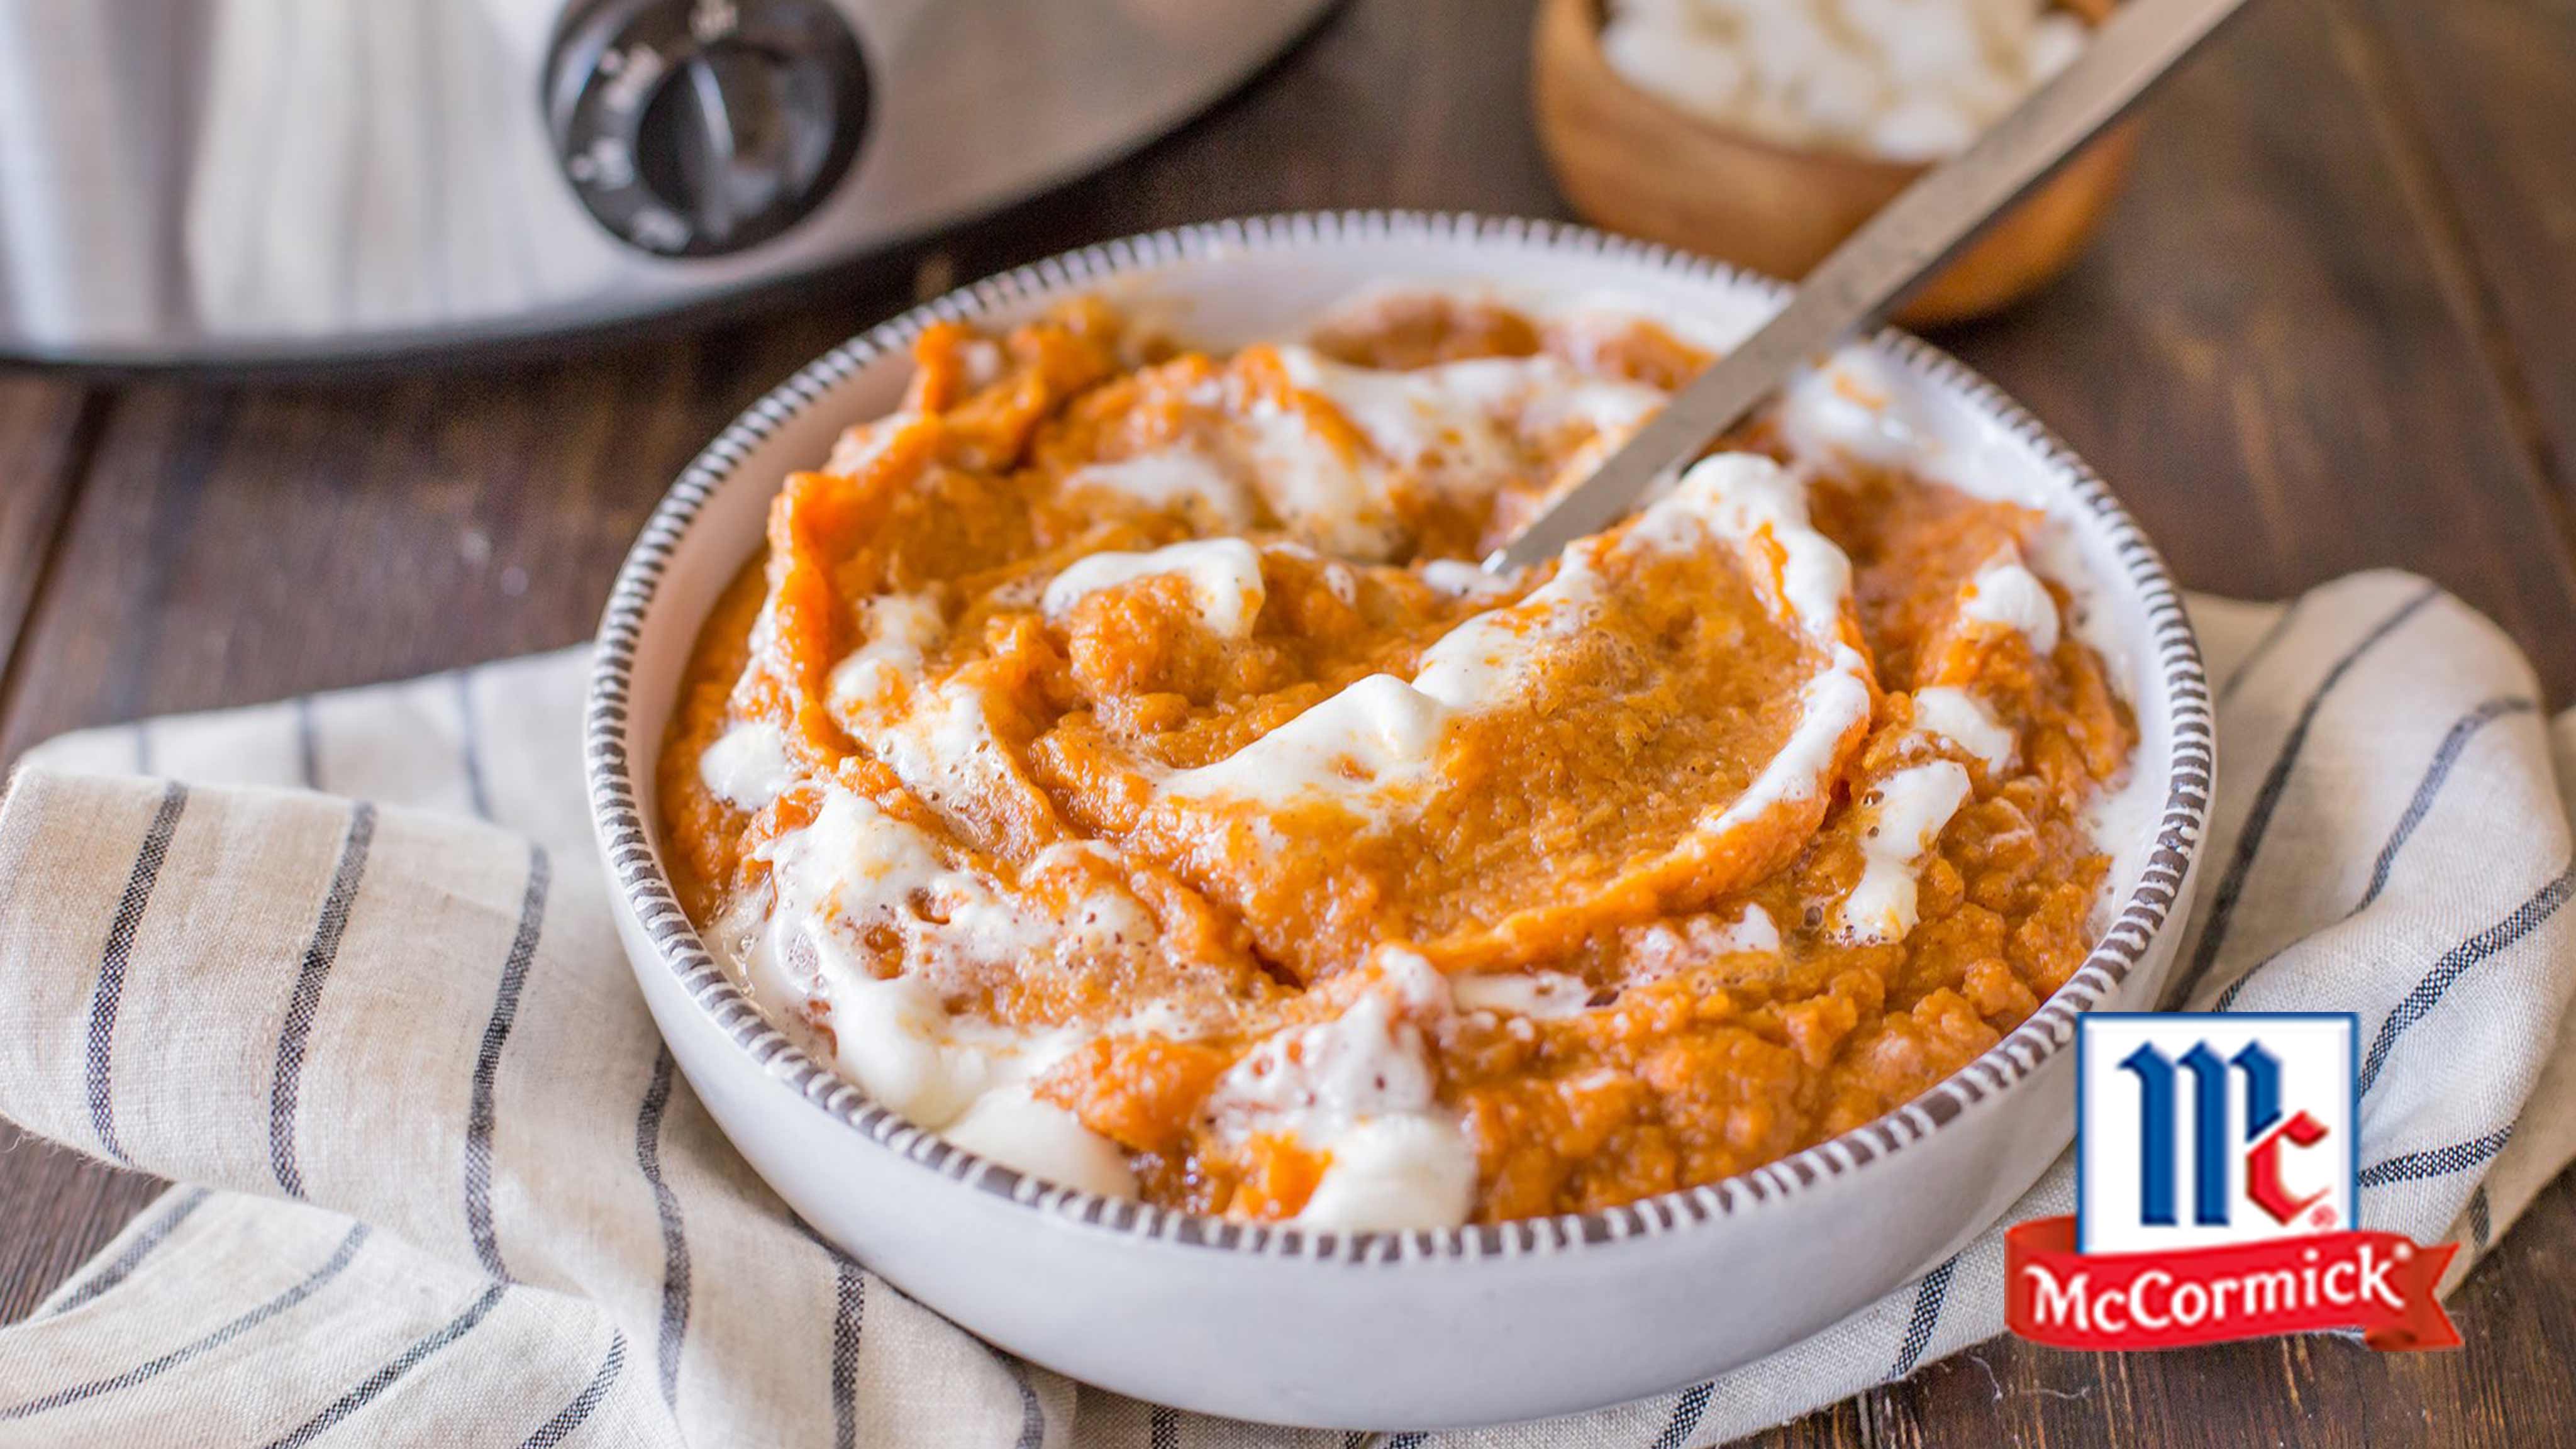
[2379,1283]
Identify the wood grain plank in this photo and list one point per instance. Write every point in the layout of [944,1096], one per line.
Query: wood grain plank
[2263,358]
[44,429]
[1392,103]
[231,545]
[2489,86]
[56,1209]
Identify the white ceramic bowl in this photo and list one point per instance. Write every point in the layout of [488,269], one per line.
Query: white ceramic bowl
[1419,1329]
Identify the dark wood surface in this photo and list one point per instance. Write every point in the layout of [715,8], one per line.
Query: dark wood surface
[41,427]
[2333,326]
[2485,89]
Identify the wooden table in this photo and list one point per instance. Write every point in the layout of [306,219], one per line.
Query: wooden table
[2332,326]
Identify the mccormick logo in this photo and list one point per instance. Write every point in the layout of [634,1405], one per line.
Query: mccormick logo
[2217,1177]
[2200,1130]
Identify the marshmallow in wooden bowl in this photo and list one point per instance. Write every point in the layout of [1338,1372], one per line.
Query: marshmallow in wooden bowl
[1764,132]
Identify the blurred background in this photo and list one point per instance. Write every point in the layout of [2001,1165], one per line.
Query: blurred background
[244,182]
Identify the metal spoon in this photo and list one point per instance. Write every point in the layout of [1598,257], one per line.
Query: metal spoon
[1899,247]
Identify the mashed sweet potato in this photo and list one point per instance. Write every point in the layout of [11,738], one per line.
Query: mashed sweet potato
[1113,764]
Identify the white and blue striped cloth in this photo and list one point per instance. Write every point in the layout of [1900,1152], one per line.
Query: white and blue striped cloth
[451,1193]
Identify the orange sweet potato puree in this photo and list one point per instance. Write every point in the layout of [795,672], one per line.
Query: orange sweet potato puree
[1294,872]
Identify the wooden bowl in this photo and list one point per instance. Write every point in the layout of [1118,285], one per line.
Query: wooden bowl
[1632,161]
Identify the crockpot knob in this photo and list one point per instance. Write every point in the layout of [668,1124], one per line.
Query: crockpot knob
[698,127]
[713,144]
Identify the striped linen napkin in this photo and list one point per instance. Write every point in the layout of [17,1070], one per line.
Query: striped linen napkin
[453,1194]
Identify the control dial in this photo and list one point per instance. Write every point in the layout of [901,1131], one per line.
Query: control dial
[699,127]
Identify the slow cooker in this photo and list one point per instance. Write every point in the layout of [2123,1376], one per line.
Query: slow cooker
[245,181]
